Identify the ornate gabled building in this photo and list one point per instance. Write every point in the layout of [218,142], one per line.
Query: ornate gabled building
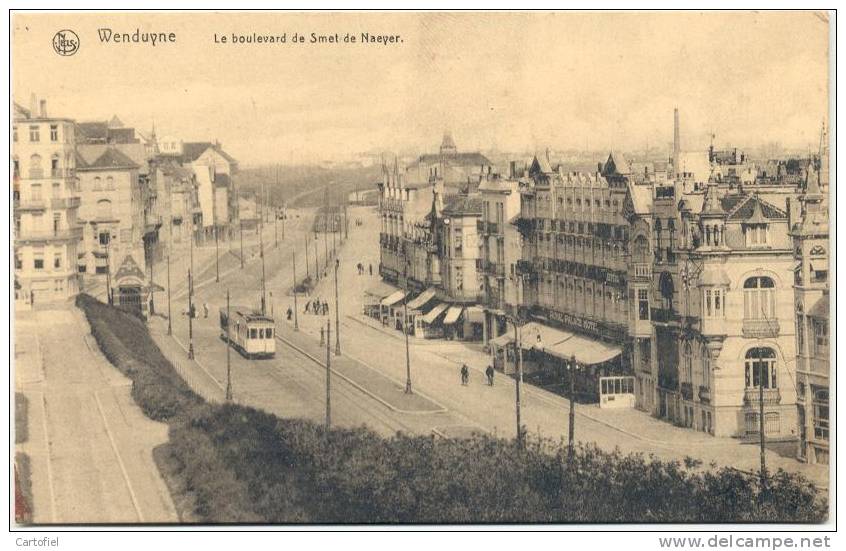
[812,307]
[720,306]
[458,170]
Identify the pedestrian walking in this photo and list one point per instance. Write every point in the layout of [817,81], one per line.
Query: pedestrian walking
[490,373]
[465,375]
[325,308]
[307,306]
[205,309]
[370,267]
[289,313]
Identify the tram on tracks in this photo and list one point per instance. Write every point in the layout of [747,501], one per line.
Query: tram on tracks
[250,333]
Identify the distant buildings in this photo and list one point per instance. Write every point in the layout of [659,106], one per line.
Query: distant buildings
[456,169]
[46,202]
[100,200]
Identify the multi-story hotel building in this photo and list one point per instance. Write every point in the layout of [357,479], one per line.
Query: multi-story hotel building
[46,200]
[812,306]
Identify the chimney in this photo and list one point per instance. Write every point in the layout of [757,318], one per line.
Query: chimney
[512,169]
[43,108]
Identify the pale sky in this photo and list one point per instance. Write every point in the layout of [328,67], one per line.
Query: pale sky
[517,82]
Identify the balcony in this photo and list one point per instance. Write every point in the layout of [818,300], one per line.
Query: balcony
[754,328]
[65,234]
[686,391]
[64,202]
[30,205]
[524,267]
[704,394]
[664,315]
[643,269]
[772,396]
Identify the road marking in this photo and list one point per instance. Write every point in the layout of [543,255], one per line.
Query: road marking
[119,460]
[53,516]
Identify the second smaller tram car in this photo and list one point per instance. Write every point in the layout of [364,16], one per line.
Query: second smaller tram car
[250,333]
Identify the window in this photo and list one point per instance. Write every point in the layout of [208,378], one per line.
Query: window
[658,240]
[821,414]
[104,238]
[35,192]
[18,262]
[714,303]
[59,285]
[706,368]
[643,304]
[253,333]
[34,135]
[110,183]
[38,261]
[14,133]
[687,358]
[54,132]
[761,368]
[98,184]
[268,333]
[820,337]
[104,209]
[57,261]
[759,298]
[756,234]
[800,329]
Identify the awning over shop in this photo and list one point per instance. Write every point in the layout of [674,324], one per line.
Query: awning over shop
[422,299]
[453,314]
[435,312]
[393,298]
[586,351]
[475,314]
[379,291]
[561,344]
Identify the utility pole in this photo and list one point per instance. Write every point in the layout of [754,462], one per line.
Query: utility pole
[571,441]
[518,357]
[407,353]
[190,316]
[316,263]
[242,243]
[275,214]
[216,256]
[337,314]
[308,276]
[169,317]
[152,291]
[346,223]
[109,270]
[325,227]
[296,323]
[328,376]
[263,295]
[228,364]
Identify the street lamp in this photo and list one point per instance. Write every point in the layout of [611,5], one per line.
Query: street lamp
[296,324]
[328,376]
[228,365]
[337,313]
[518,359]
[571,440]
[169,316]
[407,354]
[190,316]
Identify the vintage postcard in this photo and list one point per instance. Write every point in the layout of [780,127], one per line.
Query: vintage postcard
[405,268]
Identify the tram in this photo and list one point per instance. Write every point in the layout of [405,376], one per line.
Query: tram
[249,332]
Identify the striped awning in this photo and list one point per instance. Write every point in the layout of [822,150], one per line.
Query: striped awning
[422,299]
[433,314]
[393,298]
[453,314]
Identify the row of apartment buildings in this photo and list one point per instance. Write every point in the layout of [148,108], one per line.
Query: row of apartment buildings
[693,283]
[97,202]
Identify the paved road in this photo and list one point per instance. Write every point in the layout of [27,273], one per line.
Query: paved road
[435,366]
[90,446]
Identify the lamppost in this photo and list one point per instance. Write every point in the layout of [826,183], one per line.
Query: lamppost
[518,359]
[169,317]
[216,256]
[316,260]
[328,376]
[407,353]
[241,225]
[228,365]
[296,323]
[190,316]
[337,313]
[571,431]
[308,276]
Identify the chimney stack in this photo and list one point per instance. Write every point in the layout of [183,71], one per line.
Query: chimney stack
[43,108]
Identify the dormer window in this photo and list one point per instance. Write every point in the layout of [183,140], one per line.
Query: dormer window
[757,235]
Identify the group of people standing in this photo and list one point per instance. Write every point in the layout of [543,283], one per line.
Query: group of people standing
[316,307]
[465,375]
[360,267]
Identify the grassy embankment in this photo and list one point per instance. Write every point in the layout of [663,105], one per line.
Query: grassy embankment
[230,463]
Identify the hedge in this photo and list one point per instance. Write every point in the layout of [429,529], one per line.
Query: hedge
[246,465]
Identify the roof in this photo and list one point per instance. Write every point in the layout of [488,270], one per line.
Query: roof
[641,198]
[616,164]
[750,206]
[191,151]
[462,204]
[460,159]
[821,309]
[104,157]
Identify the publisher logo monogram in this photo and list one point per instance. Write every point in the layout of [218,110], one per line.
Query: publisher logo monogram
[66,42]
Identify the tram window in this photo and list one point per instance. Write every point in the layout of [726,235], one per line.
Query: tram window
[604,386]
[268,333]
[617,389]
[252,333]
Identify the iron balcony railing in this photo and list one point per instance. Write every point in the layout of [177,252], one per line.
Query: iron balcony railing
[751,396]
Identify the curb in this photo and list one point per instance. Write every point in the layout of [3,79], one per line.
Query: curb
[361,388]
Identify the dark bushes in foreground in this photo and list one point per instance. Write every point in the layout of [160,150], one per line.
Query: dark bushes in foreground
[245,465]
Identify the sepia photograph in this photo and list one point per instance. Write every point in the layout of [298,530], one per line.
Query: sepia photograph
[454,269]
